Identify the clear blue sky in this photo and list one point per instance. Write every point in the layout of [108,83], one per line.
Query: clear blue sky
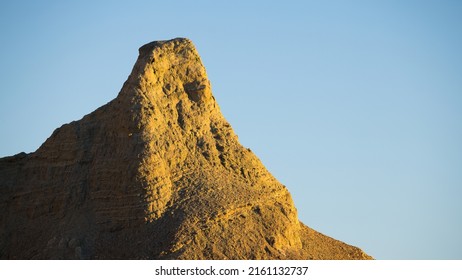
[356,106]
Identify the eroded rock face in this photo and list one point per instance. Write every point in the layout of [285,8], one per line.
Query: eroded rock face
[157,173]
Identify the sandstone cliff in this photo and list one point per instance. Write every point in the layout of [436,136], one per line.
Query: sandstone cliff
[157,173]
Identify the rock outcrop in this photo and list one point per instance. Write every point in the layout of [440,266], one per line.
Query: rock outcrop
[157,173]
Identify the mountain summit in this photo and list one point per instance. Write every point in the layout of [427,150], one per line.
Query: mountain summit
[157,173]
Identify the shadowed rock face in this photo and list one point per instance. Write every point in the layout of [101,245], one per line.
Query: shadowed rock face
[157,173]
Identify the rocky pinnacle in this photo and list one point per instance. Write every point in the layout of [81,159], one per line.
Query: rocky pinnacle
[156,173]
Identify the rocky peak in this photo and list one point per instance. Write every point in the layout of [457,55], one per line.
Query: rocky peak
[155,173]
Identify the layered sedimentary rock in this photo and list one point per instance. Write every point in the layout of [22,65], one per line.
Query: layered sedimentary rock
[157,173]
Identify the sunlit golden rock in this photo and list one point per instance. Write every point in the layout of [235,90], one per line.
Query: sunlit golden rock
[157,173]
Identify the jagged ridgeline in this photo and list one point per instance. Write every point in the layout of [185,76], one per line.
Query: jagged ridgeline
[157,173]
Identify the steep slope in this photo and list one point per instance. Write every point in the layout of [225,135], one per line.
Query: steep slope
[157,173]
